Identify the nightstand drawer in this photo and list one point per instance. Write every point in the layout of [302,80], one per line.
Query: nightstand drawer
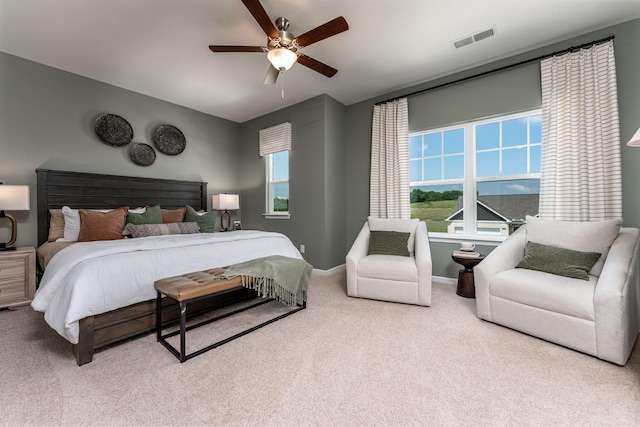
[12,290]
[17,277]
[12,269]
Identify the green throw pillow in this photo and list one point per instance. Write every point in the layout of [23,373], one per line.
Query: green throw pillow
[560,261]
[146,230]
[152,215]
[207,221]
[388,243]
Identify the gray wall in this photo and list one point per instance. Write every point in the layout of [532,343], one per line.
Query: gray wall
[46,118]
[335,167]
[316,178]
[508,91]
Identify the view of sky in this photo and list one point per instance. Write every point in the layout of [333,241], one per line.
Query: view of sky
[503,148]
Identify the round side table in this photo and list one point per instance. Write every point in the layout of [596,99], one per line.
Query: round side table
[466,287]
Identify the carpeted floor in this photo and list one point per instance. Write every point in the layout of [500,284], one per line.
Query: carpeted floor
[341,362]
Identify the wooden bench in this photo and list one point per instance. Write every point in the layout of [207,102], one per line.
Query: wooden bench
[191,287]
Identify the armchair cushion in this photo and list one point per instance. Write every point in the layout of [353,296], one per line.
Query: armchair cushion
[596,236]
[388,243]
[388,267]
[560,261]
[557,294]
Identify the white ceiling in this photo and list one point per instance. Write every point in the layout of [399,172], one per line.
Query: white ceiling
[160,47]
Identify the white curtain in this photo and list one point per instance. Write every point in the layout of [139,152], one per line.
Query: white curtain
[389,185]
[581,172]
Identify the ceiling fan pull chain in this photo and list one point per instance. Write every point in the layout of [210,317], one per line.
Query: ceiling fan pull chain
[282,83]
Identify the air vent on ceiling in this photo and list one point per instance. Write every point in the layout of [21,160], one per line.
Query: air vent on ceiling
[474,38]
[463,42]
[484,35]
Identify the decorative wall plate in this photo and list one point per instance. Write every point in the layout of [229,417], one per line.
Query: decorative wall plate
[142,154]
[113,130]
[169,140]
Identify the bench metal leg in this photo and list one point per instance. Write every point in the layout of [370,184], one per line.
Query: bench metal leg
[182,354]
[183,334]
[158,316]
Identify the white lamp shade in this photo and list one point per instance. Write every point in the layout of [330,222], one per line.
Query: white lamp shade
[635,139]
[14,197]
[221,202]
[282,58]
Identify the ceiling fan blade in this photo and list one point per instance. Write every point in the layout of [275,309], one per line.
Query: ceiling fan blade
[316,65]
[272,75]
[222,48]
[331,28]
[261,16]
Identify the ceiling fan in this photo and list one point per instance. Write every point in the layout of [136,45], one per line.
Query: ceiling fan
[283,48]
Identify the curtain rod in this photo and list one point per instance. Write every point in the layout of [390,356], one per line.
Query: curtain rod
[506,67]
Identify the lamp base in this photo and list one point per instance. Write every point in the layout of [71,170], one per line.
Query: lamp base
[222,222]
[14,231]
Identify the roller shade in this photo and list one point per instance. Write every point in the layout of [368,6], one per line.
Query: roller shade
[276,138]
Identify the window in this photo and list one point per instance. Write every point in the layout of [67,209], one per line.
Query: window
[277,167]
[477,178]
[275,144]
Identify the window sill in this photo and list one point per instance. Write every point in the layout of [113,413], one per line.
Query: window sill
[284,215]
[479,239]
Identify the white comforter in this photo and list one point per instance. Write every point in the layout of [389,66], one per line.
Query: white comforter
[95,277]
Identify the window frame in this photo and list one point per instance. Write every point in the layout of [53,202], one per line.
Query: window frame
[470,181]
[270,212]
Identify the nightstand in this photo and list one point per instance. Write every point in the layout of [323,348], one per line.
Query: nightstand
[17,277]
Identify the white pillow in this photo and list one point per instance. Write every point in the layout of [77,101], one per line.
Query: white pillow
[396,224]
[596,236]
[72,222]
[71,225]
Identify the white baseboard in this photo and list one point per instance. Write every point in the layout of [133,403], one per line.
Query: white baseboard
[331,270]
[438,279]
[445,280]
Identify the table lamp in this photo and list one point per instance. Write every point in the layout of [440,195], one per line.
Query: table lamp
[12,198]
[225,202]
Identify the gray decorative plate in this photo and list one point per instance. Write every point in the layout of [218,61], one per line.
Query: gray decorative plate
[142,154]
[169,140]
[113,130]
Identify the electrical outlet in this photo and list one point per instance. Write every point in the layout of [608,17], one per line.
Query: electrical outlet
[302,249]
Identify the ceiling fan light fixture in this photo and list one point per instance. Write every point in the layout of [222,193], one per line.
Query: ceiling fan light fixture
[282,58]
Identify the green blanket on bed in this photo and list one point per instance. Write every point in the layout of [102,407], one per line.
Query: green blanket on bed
[282,278]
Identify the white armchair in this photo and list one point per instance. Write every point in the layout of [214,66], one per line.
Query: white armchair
[598,316]
[404,279]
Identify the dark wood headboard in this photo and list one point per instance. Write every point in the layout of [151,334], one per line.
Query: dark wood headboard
[93,191]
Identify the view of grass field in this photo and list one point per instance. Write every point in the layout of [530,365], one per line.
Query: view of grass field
[434,213]
[280,205]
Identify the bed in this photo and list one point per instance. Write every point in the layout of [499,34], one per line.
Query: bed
[96,294]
